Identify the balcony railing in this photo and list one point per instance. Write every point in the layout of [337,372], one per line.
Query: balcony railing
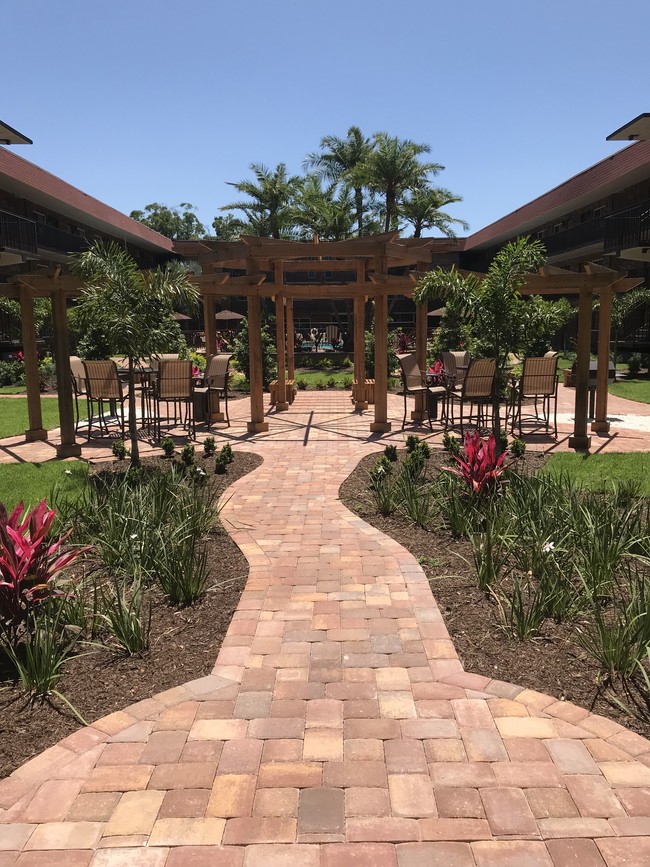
[17,233]
[50,238]
[628,229]
[589,232]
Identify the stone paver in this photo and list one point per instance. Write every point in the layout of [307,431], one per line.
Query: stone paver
[338,726]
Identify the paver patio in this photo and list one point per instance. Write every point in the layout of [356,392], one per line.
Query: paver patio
[338,726]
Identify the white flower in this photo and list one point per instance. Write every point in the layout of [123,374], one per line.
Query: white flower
[134,535]
[67,472]
[548,547]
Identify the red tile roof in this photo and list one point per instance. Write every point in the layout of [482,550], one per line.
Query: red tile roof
[614,173]
[26,180]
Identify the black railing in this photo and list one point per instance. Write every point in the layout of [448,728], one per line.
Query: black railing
[56,239]
[17,233]
[627,229]
[589,232]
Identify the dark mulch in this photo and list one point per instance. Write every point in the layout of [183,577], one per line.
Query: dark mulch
[184,645]
[554,663]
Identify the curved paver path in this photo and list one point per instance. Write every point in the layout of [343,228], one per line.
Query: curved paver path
[338,727]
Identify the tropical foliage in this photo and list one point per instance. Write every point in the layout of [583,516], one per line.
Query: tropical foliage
[175,223]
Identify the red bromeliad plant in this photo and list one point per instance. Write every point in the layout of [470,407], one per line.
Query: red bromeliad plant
[480,466]
[29,563]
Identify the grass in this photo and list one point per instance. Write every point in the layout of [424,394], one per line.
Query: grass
[598,471]
[311,377]
[633,389]
[12,389]
[13,415]
[31,482]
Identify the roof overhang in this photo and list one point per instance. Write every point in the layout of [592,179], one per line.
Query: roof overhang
[11,136]
[634,130]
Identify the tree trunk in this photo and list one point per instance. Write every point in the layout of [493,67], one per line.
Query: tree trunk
[390,207]
[133,421]
[358,201]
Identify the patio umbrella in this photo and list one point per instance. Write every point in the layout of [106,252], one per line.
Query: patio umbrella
[439,312]
[180,316]
[228,315]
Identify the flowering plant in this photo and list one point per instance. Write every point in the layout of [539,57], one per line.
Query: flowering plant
[479,467]
[436,372]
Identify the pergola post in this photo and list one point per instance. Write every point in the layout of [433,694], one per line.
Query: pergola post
[381,423]
[600,423]
[360,401]
[580,440]
[281,403]
[210,324]
[421,312]
[36,432]
[257,423]
[291,336]
[68,448]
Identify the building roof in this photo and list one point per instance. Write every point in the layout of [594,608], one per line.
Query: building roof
[26,180]
[614,173]
[9,135]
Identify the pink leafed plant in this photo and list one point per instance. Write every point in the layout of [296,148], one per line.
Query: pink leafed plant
[479,467]
[29,562]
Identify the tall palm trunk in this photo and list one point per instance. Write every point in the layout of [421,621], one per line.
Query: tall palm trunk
[358,204]
[390,209]
[133,421]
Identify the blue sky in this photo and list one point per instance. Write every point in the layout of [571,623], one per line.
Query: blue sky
[145,101]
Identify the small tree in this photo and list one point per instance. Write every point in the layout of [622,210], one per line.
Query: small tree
[132,308]
[493,306]
[242,357]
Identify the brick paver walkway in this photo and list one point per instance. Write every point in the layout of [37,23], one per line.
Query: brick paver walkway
[338,727]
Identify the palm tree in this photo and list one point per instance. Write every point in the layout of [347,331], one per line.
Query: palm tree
[132,308]
[320,210]
[342,161]
[270,208]
[393,167]
[422,209]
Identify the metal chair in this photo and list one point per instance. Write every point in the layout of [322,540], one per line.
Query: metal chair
[174,385]
[415,382]
[79,388]
[455,365]
[538,382]
[216,382]
[103,385]
[476,390]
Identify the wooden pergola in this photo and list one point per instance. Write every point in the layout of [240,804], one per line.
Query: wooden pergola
[370,268]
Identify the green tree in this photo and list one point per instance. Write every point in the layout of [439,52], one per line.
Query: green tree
[132,308]
[324,210]
[422,209]
[623,305]
[343,161]
[242,356]
[541,320]
[270,208]
[230,228]
[173,223]
[393,167]
[493,305]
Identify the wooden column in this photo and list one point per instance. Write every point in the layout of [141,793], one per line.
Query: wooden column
[68,448]
[257,424]
[580,440]
[210,324]
[281,403]
[36,431]
[381,423]
[600,424]
[421,310]
[360,401]
[291,334]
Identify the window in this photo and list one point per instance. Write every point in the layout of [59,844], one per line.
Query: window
[598,212]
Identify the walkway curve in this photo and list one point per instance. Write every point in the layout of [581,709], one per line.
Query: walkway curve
[338,726]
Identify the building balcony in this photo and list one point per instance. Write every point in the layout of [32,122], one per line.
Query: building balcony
[627,233]
[17,237]
[49,238]
[585,234]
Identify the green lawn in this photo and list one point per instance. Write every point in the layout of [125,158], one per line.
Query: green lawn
[633,389]
[311,377]
[31,482]
[12,389]
[13,415]
[597,471]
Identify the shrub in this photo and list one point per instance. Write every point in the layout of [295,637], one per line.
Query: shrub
[346,382]
[503,441]
[451,444]
[331,382]
[517,448]
[228,453]
[320,385]
[120,450]
[411,442]
[168,446]
[183,575]
[221,464]
[347,362]
[390,452]
[124,616]
[187,454]
[209,447]
[634,364]
[11,372]
[242,357]
[301,384]
[481,469]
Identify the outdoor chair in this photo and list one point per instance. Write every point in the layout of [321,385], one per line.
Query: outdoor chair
[103,385]
[79,389]
[539,383]
[415,382]
[216,382]
[476,392]
[173,384]
[455,365]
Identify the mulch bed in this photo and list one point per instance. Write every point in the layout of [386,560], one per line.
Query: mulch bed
[184,645]
[553,663]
